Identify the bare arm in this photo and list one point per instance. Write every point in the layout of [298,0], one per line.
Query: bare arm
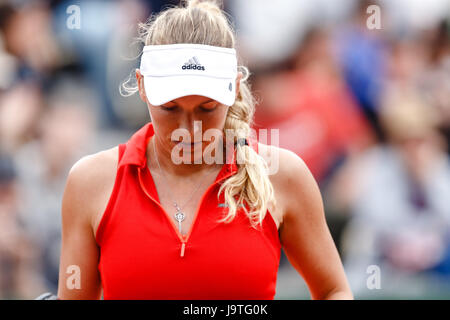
[305,236]
[79,251]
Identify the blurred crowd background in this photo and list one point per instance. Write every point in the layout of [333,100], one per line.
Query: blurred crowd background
[367,109]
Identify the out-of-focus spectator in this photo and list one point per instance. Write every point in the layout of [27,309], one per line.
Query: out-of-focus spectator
[362,56]
[122,53]
[105,51]
[20,275]
[20,109]
[311,106]
[315,113]
[398,196]
[43,164]
[435,81]
[419,64]
[28,36]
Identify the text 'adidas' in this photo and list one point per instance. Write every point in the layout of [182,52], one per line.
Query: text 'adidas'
[193,64]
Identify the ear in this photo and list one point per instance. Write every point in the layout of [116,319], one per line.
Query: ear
[238,82]
[140,82]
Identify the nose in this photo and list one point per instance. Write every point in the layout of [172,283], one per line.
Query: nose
[194,127]
[197,127]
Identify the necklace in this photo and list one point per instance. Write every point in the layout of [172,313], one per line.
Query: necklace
[179,215]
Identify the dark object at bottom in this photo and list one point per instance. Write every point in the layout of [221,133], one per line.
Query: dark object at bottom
[47,296]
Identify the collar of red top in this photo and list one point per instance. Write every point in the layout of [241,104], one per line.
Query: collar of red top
[135,152]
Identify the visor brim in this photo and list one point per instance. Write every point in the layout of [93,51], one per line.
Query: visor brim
[160,90]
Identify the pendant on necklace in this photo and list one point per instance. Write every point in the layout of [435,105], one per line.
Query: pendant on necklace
[179,216]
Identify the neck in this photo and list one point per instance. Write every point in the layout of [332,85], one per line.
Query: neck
[163,155]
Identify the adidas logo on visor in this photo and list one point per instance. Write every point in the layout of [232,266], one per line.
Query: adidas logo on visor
[193,64]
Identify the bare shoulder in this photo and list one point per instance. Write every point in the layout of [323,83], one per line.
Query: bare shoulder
[94,163]
[290,176]
[90,182]
[285,166]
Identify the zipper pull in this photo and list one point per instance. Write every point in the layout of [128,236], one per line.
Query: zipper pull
[183,245]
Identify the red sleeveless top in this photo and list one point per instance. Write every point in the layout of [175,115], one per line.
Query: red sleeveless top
[143,255]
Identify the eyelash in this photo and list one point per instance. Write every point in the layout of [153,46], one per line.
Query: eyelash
[174,108]
[168,109]
[208,110]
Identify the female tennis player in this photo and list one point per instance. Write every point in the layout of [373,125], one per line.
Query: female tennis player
[139,224]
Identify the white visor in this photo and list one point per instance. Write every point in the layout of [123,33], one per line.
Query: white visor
[177,70]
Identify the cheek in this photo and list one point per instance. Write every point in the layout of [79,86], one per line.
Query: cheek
[217,120]
[214,119]
[162,118]
[163,124]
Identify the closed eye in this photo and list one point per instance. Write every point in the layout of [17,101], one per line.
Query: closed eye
[209,107]
[206,107]
[168,109]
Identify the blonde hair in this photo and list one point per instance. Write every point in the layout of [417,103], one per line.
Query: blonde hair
[204,22]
